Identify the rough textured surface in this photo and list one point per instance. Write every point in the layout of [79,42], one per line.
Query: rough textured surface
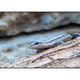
[64,63]
[60,56]
[15,23]
[16,52]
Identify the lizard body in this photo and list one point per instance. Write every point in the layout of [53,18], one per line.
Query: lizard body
[60,39]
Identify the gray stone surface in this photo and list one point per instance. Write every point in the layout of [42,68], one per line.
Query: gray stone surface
[17,47]
[15,23]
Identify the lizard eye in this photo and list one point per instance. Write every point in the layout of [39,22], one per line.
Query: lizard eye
[36,43]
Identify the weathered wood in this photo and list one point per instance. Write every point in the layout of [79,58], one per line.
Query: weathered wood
[70,50]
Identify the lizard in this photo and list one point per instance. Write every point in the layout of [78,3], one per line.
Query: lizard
[59,40]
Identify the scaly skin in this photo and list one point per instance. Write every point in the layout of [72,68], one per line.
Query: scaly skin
[60,39]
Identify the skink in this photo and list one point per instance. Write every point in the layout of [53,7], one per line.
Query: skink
[60,39]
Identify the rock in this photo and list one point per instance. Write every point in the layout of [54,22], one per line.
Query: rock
[14,48]
[62,56]
[64,63]
[15,23]
[16,52]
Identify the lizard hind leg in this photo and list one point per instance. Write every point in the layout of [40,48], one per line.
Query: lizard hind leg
[75,35]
